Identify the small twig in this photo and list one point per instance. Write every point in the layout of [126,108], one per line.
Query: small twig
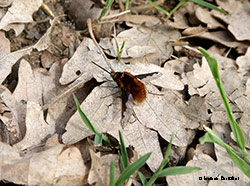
[97,45]
[116,15]
[121,5]
[229,50]
[71,89]
[176,58]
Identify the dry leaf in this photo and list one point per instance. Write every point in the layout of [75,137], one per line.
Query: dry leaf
[38,86]
[222,168]
[180,19]
[80,63]
[80,11]
[238,23]
[104,111]
[47,59]
[205,16]
[99,174]
[141,41]
[243,63]
[8,60]
[20,12]
[196,110]
[49,167]
[193,30]
[145,20]
[231,6]
[17,27]
[36,128]
[70,168]
[5,3]
[11,117]
[221,37]
[5,45]
[29,87]
[201,82]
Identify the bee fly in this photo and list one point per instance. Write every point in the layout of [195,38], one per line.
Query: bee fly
[133,90]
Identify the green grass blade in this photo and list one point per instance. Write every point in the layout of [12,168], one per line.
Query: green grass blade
[112,174]
[182,2]
[240,163]
[131,169]
[238,134]
[98,140]
[211,136]
[87,122]
[126,5]
[208,5]
[84,117]
[167,153]
[142,178]
[119,50]
[124,153]
[158,7]
[163,164]
[105,9]
[178,170]
[121,161]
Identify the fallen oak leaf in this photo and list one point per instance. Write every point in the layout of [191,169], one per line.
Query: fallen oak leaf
[105,114]
[20,12]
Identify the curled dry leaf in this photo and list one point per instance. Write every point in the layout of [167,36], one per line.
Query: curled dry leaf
[20,12]
[201,78]
[206,17]
[17,27]
[221,37]
[194,30]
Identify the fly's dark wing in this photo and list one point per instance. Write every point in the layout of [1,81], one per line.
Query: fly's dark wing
[127,107]
[142,76]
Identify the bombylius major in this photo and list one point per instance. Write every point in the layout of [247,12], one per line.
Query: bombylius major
[129,85]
